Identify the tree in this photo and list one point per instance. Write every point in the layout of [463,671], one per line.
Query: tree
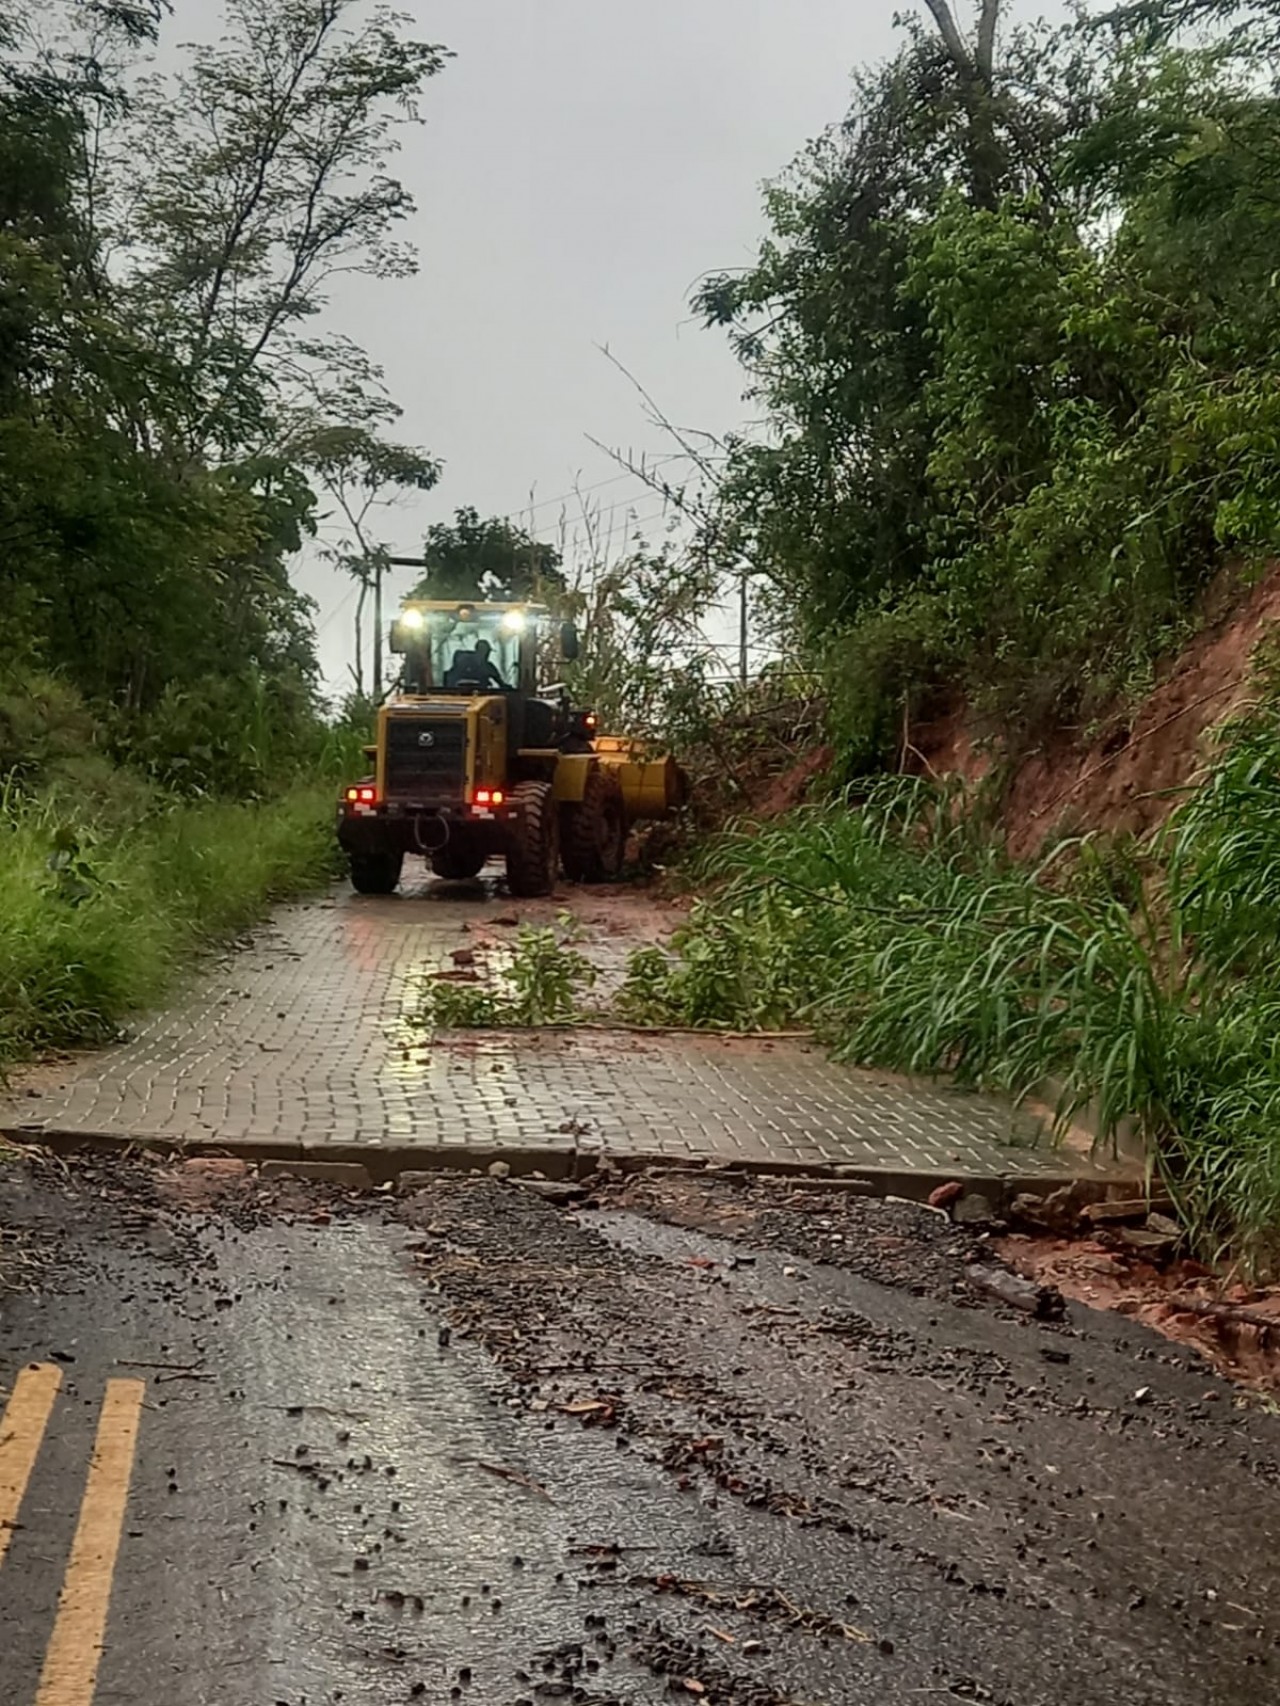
[168,411]
[1014,339]
[492,559]
[364,474]
[262,173]
[644,655]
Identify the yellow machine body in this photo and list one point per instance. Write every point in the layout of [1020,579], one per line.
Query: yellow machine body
[484,742]
[652,784]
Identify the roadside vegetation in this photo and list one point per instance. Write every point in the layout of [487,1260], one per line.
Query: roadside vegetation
[1013,339]
[175,424]
[1141,981]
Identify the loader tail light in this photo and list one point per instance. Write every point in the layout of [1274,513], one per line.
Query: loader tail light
[591,721]
[489,797]
[362,796]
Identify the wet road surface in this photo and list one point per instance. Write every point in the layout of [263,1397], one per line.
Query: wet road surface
[309,1043]
[747,1445]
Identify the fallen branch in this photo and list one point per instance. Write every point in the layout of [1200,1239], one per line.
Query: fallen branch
[764,1602]
[1225,1312]
[1045,1302]
[169,1367]
[504,1474]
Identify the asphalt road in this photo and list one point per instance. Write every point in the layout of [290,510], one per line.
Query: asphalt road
[753,1447]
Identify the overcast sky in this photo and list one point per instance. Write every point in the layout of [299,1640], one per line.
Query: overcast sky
[583,163]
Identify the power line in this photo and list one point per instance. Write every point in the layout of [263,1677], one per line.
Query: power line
[552,536]
[583,491]
[636,521]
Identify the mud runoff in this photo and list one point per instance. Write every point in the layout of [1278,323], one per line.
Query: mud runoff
[499,1443]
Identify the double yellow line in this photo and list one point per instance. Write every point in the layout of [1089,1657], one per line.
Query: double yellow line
[74,1652]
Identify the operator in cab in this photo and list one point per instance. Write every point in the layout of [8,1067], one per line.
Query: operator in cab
[475,666]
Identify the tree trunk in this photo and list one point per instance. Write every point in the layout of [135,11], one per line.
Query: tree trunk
[975,72]
[949,30]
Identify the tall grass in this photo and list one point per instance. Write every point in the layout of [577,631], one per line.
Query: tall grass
[1144,980]
[96,922]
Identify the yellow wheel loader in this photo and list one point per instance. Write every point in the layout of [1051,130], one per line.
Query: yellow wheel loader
[474,761]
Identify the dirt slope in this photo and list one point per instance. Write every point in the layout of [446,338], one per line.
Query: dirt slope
[1128,779]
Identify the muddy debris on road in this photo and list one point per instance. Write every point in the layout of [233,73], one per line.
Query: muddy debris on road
[689,1437]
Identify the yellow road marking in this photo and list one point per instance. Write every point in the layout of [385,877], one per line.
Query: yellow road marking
[25,1418]
[75,1649]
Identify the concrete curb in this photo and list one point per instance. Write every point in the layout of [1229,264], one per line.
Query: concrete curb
[1126,1144]
[381,1163]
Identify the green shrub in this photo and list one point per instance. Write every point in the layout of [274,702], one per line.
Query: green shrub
[1143,980]
[44,724]
[539,983]
[95,924]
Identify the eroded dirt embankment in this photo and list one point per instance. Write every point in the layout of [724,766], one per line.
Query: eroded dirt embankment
[1131,773]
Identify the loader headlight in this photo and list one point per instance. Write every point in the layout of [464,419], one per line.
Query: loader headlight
[413,620]
[513,621]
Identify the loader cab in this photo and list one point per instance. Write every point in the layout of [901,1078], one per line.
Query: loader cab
[465,649]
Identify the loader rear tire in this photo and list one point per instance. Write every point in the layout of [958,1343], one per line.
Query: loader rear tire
[533,861]
[376,873]
[458,863]
[593,831]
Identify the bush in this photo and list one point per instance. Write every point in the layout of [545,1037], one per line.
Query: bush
[95,923]
[228,735]
[44,724]
[539,983]
[1143,980]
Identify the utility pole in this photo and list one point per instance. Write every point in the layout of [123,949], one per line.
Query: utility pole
[377,627]
[743,635]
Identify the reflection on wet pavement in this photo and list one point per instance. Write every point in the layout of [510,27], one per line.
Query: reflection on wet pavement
[476,1446]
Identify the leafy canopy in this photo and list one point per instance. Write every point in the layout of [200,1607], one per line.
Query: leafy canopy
[1014,333]
[492,558]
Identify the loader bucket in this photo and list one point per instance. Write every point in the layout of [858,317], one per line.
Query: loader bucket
[653,786]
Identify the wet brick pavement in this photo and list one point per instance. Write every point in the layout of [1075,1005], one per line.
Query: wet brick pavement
[303,1044]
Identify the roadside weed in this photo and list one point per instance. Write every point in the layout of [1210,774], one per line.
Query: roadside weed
[1142,980]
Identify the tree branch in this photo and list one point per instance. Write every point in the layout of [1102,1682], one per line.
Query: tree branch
[950,33]
[986,53]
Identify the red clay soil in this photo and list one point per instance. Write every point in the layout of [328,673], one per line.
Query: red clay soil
[1231,1338]
[786,791]
[946,747]
[1131,776]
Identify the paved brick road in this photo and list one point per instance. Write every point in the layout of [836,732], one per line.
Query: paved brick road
[304,1044]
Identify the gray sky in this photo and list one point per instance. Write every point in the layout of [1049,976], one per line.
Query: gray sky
[583,163]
